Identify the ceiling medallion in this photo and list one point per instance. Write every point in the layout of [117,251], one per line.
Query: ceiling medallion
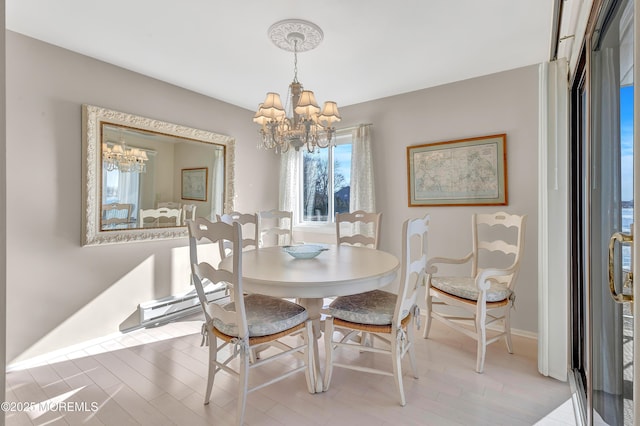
[308,35]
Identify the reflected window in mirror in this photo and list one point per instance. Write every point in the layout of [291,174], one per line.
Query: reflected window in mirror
[122,188]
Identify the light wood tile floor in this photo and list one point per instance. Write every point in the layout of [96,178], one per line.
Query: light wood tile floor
[157,376]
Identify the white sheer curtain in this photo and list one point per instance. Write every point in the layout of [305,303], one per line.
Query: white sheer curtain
[121,187]
[290,184]
[217,184]
[362,196]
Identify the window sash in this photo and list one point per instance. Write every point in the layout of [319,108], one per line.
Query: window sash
[342,138]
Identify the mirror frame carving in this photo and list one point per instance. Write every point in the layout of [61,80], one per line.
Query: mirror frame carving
[92,118]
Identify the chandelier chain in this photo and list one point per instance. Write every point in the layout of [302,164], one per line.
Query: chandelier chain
[295,61]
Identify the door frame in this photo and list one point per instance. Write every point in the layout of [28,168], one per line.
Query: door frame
[636,208]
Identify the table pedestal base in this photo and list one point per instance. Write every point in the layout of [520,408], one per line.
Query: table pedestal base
[314,308]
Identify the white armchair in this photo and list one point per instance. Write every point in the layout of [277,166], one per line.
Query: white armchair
[486,295]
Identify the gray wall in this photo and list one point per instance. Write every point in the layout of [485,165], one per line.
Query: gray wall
[58,292]
[506,102]
[61,293]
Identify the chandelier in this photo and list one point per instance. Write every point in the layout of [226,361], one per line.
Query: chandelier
[119,157]
[300,123]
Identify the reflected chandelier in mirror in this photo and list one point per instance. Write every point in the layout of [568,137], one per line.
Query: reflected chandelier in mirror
[143,178]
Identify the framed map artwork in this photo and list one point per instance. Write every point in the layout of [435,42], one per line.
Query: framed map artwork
[464,172]
[194,184]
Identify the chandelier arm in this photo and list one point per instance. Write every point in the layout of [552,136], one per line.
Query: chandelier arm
[320,145]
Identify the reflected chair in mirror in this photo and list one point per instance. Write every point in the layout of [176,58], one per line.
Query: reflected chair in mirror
[387,317]
[159,217]
[188,213]
[275,228]
[249,323]
[358,228]
[169,205]
[486,293]
[116,215]
[249,224]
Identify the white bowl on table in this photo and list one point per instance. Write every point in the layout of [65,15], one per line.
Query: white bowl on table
[304,251]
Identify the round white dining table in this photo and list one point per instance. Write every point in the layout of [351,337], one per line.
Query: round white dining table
[337,271]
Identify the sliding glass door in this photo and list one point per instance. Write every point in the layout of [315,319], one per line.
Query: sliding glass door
[603,207]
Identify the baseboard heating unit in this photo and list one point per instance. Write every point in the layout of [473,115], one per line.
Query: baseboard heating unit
[156,312]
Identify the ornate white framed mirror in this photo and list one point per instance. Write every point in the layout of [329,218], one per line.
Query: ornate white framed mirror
[143,178]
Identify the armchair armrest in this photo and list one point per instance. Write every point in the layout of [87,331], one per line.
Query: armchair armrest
[482,280]
[431,263]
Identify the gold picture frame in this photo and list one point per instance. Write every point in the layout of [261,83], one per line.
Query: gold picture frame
[194,184]
[463,172]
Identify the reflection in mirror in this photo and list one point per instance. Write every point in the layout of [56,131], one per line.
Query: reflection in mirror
[144,178]
[192,178]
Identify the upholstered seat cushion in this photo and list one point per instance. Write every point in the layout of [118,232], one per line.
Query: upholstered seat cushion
[372,307]
[265,315]
[466,288]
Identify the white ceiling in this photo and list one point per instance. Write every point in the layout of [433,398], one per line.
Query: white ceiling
[371,48]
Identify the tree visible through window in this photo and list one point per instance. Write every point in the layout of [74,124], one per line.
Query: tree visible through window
[326,181]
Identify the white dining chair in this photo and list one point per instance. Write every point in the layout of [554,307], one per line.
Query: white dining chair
[386,317]
[358,228]
[249,323]
[275,228]
[484,295]
[115,214]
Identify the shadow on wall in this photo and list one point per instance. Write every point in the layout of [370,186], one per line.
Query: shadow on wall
[117,308]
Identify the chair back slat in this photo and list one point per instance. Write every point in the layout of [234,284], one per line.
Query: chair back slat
[498,245]
[169,205]
[507,220]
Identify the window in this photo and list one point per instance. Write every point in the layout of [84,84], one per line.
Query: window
[326,181]
[121,187]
